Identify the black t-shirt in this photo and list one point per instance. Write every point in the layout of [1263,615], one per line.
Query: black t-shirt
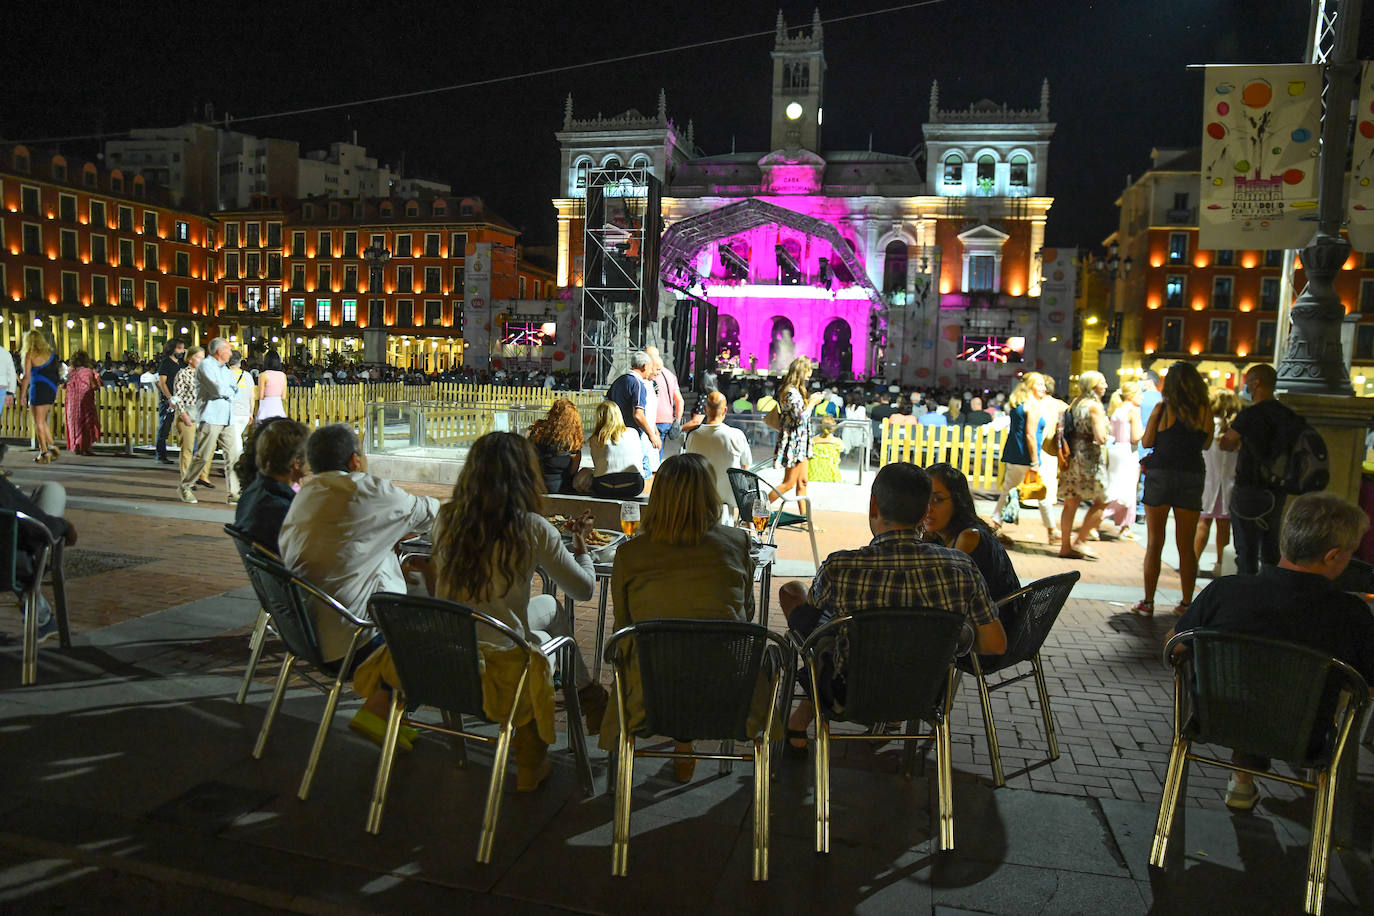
[1264,429]
[1291,605]
[975,418]
[168,367]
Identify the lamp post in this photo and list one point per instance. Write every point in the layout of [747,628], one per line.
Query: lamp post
[374,335]
[1112,268]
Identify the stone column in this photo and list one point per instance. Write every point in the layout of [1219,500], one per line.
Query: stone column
[1313,362]
[1034,267]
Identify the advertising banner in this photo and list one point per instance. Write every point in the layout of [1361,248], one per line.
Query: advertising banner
[1361,212]
[1261,127]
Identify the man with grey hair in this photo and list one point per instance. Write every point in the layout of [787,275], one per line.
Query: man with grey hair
[630,394]
[1296,601]
[215,392]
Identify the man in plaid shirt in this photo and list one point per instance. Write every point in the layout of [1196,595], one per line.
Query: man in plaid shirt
[897,569]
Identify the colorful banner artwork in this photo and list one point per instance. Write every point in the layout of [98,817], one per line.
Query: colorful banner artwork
[1361,213]
[1261,127]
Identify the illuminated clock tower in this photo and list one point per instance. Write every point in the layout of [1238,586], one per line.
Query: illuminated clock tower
[798,80]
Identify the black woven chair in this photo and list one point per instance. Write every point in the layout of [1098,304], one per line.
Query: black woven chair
[1267,698]
[245,546]
[698,679]
[899,666]
[434,646]
[749,488]
[1041,602]
[289,601]
[16,528]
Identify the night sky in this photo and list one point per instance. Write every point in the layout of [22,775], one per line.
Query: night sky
[1116,70]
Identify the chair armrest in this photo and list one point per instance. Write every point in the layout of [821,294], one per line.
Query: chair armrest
[1019,593]
[332,603]
[556,643]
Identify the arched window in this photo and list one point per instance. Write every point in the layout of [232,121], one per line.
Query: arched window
[386,208]
[1020,171]
[986,167]
[612,162]
[440,207]
[894,266]
[59,168]
[641,162]
[88,175]
[782,345]
[580,172]
[21,159]
[412,208]
[954,169]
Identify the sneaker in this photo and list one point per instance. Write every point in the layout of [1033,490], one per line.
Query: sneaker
[187,496]
[206,484]
[232,499]
[1241,796]
[47,629]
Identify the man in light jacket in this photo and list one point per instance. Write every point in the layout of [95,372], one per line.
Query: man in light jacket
[216,389]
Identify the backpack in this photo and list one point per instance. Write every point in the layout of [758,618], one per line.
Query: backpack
[1301,464]
[1063,437]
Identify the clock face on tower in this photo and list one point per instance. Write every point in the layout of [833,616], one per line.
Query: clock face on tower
[793,111]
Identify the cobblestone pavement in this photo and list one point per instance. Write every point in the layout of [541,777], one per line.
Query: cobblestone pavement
[141,551]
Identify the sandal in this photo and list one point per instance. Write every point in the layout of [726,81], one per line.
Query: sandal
[1143,608]
[1181,607]
[1078,553]
[796,734]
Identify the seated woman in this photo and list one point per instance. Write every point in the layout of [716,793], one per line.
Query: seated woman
[557,440]
[617,456]
[682,564]
[953,522]
[274,453]
[488,539]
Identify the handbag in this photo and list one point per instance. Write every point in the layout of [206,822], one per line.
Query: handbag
[1032,487]
[773,419]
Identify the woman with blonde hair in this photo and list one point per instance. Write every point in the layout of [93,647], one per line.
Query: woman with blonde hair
[794,433]
[1180,428]
[557,439]
[1123,465]
[1021,450]
[682,564]
[1084,478]
[38,390]
[617,456]
[1220,479]
[488,540]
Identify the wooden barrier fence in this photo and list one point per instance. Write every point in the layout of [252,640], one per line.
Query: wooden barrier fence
[972,449]
[128,417]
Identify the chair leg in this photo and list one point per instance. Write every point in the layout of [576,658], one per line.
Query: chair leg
[494,789]
[990,729]
[577,738]
[811,532]
[727,766]
[29,674]
[1168,800]
[1319,851]
[326,723]
[822,784]
[761,810]
[1045,713]
[944,776]
[287,663]
[458,742]
[254,653]
[620,828]
[384,764]
[59,595]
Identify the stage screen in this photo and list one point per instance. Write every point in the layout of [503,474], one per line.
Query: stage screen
[529,334]
[992,348]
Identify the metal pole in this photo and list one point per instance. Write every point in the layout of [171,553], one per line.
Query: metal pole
[1313,361]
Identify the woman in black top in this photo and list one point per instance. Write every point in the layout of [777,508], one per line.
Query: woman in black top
[557,439]
[952,521]
[1179,429]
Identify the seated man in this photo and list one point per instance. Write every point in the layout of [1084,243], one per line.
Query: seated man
[279,454]
[1295,601]
[47,503]
[340,534]
[895,570]
[724,446]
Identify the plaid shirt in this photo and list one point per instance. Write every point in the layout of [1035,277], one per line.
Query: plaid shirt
[899,570]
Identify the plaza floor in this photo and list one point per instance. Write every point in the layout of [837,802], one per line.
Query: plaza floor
[132,785]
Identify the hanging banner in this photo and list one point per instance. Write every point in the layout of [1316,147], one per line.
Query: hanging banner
[1261,126]
[1361,212]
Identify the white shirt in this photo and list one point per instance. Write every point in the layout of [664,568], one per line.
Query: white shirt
[650,400]
[619,457]
[725,447]
[243,401]
[340,534]
[8,378]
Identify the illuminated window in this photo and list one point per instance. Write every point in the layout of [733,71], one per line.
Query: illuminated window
[431,244]
[987,167]
[69,287]
[33,284]
[434,280]
[954,169]
[402,245]
[98,214]
[181,230]
[350,310]
[1269,295]
[297,309]
[28,201]
[100,290]
[322,311]
[1221,293]
[126,291]
[1178,247]
[183,299]
[458,245]
[150,223]
[1020,171]
[1175,285]
[66,207]
[231,235]
[252,239]
[274,299]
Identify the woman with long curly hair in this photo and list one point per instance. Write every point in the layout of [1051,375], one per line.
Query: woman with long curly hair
[557,440]
[488,539]
[1180,427]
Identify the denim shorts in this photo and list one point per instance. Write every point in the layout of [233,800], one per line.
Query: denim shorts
[1170,487]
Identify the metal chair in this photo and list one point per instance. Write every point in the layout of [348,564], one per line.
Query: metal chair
[1268,698]
[1042,601]
[15,528]
[698,679]
[898,666]
[245,546]
[749,488]
[288,600]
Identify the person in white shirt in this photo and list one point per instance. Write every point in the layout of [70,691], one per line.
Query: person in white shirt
[242,413]
[617,456]
[9,379]
[340,535]
[724,446]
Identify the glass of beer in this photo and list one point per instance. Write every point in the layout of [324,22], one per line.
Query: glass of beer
[629,518]
[760,516]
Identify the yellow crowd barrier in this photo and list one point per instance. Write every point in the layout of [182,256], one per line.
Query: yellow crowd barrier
[129,418]
[972,449]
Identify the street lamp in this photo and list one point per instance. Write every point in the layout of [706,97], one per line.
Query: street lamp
[1112,268]
[374,335]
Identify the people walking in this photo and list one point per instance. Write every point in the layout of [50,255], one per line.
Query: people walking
[1052,412]
[171,363]
[187,404]
[271,387]
[1021,450]
[83,419]
[794,433]
[1179,429]
[1084,478]
[1221,479]
[9,378]
[215,390]
[38,390]
[1123,461]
